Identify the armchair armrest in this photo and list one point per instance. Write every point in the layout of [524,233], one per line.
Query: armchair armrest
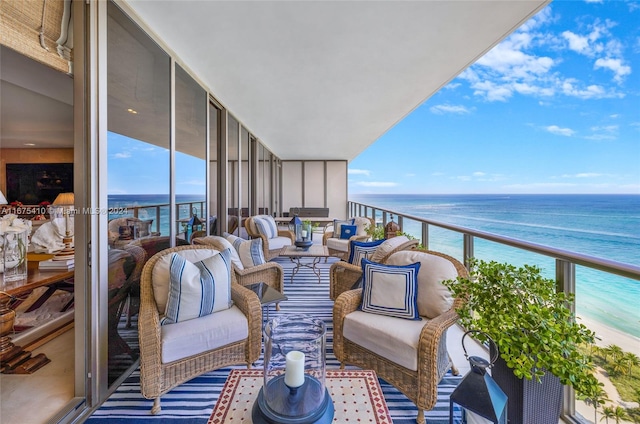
[247,301]
[287,233]
[270,273]
[433,358]
[342,277]
[150,342]
[346,303]
[325,236]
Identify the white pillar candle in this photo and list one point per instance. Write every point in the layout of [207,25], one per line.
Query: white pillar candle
[304,233]
[294,369]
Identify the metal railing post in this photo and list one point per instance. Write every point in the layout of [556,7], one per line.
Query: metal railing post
[425,235]
[401,222]
[566,282]
[467,248]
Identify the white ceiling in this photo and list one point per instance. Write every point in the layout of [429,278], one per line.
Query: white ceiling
[311,79]
[36,103]
[325,79]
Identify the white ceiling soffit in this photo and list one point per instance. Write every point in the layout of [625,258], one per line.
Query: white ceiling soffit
[325,79]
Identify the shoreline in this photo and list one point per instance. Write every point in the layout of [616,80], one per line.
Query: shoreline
[606,336]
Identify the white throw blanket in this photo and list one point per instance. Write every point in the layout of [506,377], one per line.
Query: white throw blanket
[48,238]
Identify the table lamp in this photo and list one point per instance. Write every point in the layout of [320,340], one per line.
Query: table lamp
[65,200]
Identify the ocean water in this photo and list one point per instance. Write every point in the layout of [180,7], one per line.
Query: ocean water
[121,205]
[605,226]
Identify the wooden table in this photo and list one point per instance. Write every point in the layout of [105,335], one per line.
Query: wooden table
[315,251]
[13,359]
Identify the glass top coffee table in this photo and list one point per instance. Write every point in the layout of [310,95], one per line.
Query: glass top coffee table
[315,251]
[267,295]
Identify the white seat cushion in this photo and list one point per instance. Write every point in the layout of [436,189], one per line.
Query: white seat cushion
[434,298]
[338,244]
[279,242]
[393,338]
[195,336]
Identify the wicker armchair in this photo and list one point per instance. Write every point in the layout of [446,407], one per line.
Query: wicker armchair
[340,247]
[343,275]
[158,376]
[270,273]
[420,343]
[271,245]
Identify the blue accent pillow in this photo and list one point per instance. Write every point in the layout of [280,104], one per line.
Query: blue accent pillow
[348,231]
[359,250]
[198,289]
[337,225]
[390,290]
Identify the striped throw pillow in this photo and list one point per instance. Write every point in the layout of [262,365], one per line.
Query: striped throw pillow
[250,251]
[198,289]
[266,226]
[390,290]
[359,250]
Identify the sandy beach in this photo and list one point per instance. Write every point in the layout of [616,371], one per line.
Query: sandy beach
[606,336]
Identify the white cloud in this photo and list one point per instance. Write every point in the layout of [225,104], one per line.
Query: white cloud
[359,172]
[452,86]
[582,175]
[554,129]
[376,184]
[442,109]
[514,67]
[492,91]
[607,132]
[479,174]
[122,155]
[569,88]
[410,175]
[614,65]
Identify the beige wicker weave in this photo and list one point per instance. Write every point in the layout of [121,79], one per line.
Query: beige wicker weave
[343,275]
[157,378]
[420,386]
[339,253]
[270,273]
[269,252]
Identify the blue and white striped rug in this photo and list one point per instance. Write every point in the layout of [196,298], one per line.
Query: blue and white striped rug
[193,401]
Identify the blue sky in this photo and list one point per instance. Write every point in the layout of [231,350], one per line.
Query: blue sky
[554,108]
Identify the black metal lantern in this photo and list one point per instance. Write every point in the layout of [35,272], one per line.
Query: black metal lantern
[295,225]
[302,233]
[481,399]
[194,224]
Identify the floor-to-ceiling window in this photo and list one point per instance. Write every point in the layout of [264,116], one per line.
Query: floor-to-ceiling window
[233,174]
[215,120]
[138,171]
[190,157]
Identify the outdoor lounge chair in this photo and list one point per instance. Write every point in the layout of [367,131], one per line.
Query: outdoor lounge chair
[409,354]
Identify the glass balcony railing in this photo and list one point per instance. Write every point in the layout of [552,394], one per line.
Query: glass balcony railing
[574,272]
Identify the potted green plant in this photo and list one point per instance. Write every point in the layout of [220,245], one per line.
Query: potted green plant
[541,345]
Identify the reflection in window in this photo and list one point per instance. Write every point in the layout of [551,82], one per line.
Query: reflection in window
[138,86]
[190,157]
